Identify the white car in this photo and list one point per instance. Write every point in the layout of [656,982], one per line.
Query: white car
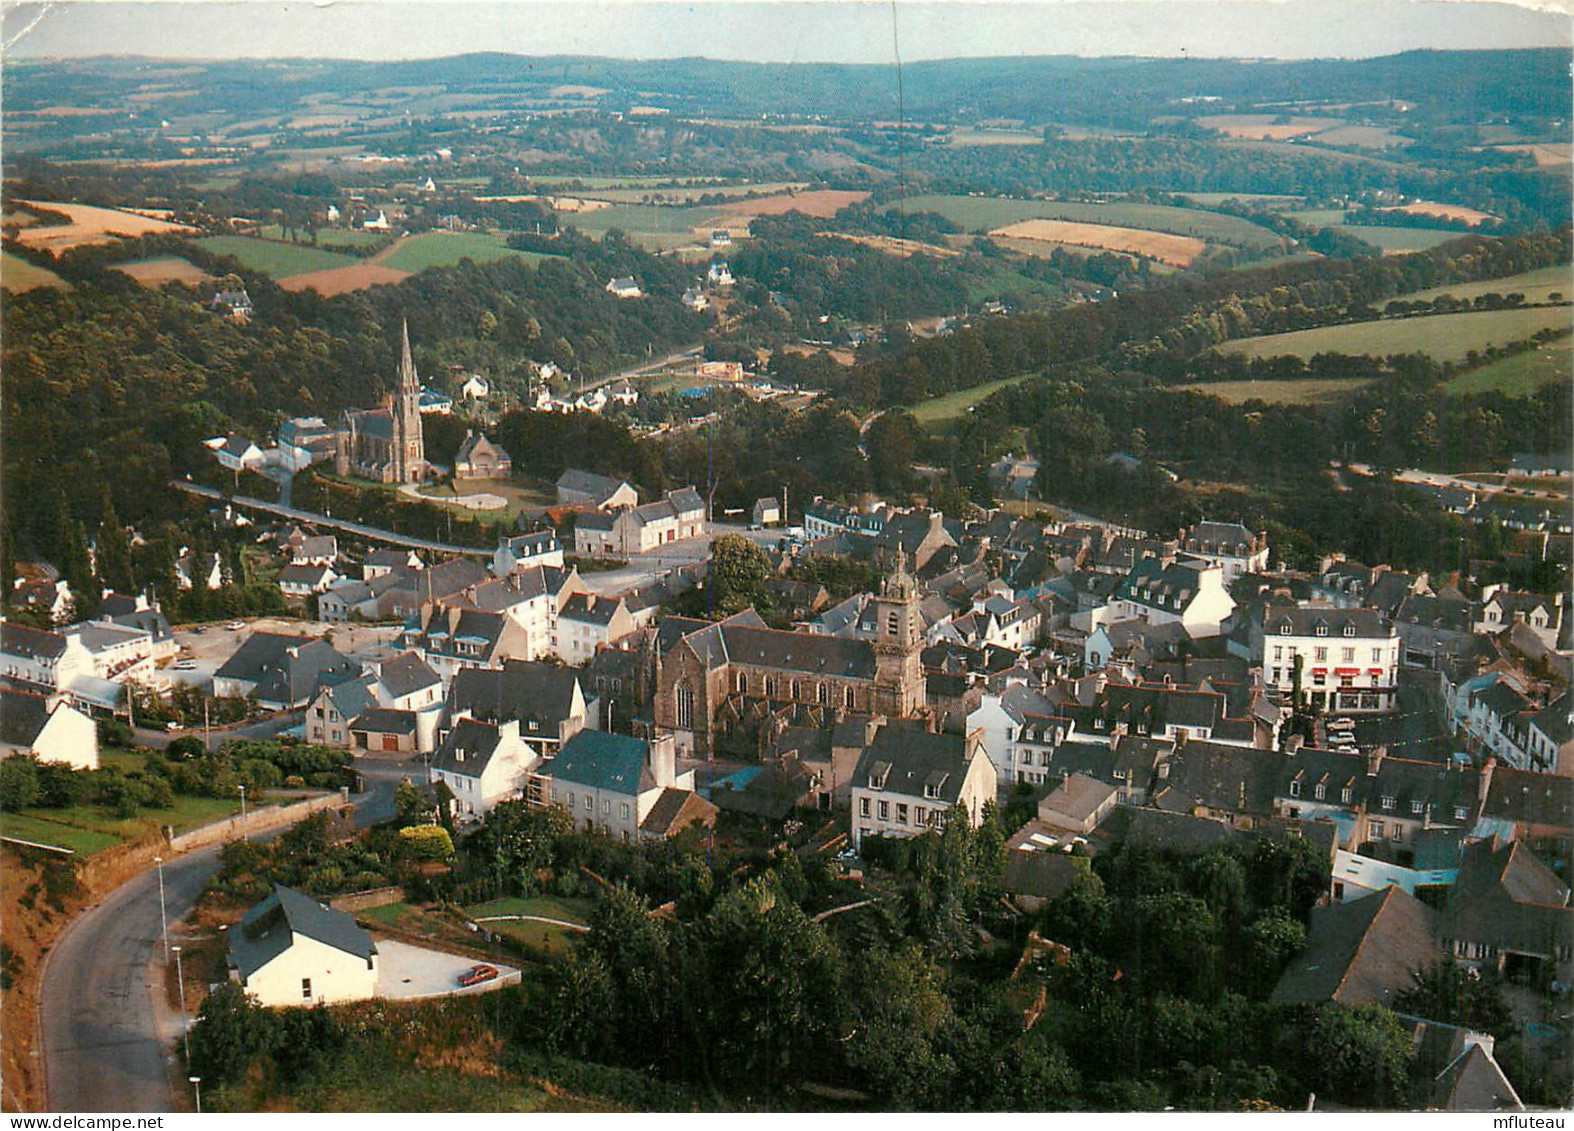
[236,625]
[184,665]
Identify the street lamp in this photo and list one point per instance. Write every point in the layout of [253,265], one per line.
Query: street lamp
[243,813]
[162,914]
[180,984]
[196,1086]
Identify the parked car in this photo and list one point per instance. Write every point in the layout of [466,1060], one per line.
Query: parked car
[236,625]
[187,665]
[478,974]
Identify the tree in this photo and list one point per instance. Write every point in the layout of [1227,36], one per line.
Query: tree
[1449,993]
[411,806]
[18,783]
[1271,941]
[232,1030]
[896,1013]
[1361,1054]
[738,572]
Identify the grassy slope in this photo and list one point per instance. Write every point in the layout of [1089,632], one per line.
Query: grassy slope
[1447,337]
[1312,390]
[1536,286]
[1520,375]
[1398,239]
[279,260]
[937,412]
[445,249]
[18,275]
[977,213]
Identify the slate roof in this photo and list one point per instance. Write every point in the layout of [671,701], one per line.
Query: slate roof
[1044,875]
[1365,952]
[385,720]
[474,440]
[599,487]
[22,717]
[269,929]
[1172,832]
[1155,585]
[406,674]
[1304,620]
[675,810]
[613,763]
[773,793]
[1437,613]
[1231,779]
[911,759]
[527,691]
[1531,798]
[20,640]
[588,608]
[468,749]
[1474,1082]
[745,640]
[1507,898]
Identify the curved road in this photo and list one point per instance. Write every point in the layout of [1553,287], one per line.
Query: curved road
[102,1047]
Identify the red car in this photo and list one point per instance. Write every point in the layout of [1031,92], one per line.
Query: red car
[478,974]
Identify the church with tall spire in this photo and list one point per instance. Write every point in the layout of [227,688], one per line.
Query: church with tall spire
[386,444]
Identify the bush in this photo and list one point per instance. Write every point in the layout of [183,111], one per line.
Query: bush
[426,842]
[18,783]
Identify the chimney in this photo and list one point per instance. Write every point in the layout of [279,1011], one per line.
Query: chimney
[1484,781]
[1374,760]
[664,759]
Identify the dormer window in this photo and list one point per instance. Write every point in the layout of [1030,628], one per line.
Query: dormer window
[1417,807]
[1284,629]
[459,755]
[1349,630]
[1295,788]
[1459,812]
[1320,791]
[1346,794]
[1322,630]
[1388,801]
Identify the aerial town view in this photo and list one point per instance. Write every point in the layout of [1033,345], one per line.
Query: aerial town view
[829,557]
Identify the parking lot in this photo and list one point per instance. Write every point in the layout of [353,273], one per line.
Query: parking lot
[208,646]
[406,972]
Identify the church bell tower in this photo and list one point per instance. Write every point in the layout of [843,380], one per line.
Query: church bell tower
[898,644]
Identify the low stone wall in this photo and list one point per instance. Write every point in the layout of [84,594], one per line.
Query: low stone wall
[256,821]
[366,900]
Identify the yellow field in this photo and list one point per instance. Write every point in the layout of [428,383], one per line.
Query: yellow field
[158,272]
[1178,251]
[1443,211]
[89,225]
[894,246]
[18,275]
[1260,127]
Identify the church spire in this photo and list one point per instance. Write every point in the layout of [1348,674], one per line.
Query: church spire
[407,378]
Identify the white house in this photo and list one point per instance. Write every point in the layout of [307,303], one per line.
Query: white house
[481,764]
[1348,659]
[237,453]
[909,781]
[624,286]
[298,582]
[1502,607]
[378,225]
[292,950]
[1228,545]
[999,718]
[47,661]
[1185,593]
[587,622]
[719,275]
[48,728]
[475,388]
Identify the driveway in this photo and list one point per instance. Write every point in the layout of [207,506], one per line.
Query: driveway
[406,971]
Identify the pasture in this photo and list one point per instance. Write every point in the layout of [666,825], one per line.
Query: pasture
[1363,137]
[446,249]
[983,214]
[1310,390]
[343,280]
[330,237]
[1470,216]
[967,137]
[821,203]
[1259,127]
[1520,375]
[1398,241]
[165,270]
[938,412]
[1178,251]
[1445,337]
[279,260]
[1536,286]
[18,275]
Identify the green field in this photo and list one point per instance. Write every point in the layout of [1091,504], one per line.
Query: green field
[445,249]
[1266,199]
[1398,239]
[280,260]
[1312,390]
[87,828]
[686,194]
[982,214]
[1521,375]
[83,842]
[1536,286]
[1319,217]
[652,226]
[331,237]
[538,936]
[18,275]
[1003,280]
[937,412]
[1446,337]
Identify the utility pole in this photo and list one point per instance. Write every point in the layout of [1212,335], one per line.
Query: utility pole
[207,728]
[180,984]
[162,914]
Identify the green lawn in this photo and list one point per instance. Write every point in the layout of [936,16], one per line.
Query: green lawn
[537,936]
[1446,337]
[81,841]
[18,275]
[280,260]
[1318,217]
[445,249]
[1311,390]
[937,412]
[1536,286]
[652,226]
[1003,280]
[982,214]
[1521,375]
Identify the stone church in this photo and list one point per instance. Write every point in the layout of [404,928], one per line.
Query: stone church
[386,444]
[712,682]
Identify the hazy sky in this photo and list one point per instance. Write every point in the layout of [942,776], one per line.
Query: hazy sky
[815,31]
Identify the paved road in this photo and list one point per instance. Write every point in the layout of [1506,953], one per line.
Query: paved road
[101,1038]
[369,532]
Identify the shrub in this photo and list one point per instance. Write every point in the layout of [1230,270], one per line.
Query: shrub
[426,842]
